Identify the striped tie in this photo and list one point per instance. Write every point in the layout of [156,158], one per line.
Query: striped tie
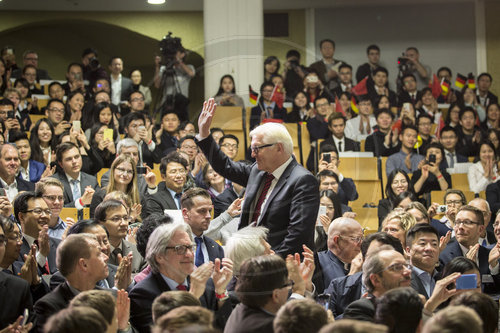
[267,183]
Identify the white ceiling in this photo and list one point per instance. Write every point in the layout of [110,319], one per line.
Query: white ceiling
[187,5]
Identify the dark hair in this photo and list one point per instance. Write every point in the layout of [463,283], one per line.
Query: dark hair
[102,209]
[420,228]
[292,53]
[448,114]
[335,201]
[380,69]
[388,188]
[326,40]
[187,197]
[131,117]
[460,265]
[67,107]
[444,68]
[17,135]
[386,111]
[93,117]
[262,86]
[55,83]
[372,47]
[183,125]
[20,203]
[334,116]
[407,76]
[438,146]
[269,60]
[129,97]
[71,65]
[485,74]
[171,158]
[22,81]
[95,129]
[89,50]
[221,91]
[384,238]
[82,226]
[467,109]
[448,128]
[187,137]
[170,300]
[404,195]
[425,91]
[412,127]
[6,101]
[36,151]
[400,309]
[64,147]
[258,277]
[422,116]
[295,107]
[489,144]
[483,304]
[229,136]
[113,58]
[216,129]
[345,65]
[320,98]
[54,100]
[326,173]
[147,227]
[327,148]
[457,192]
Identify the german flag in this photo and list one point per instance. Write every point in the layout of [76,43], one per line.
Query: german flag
[354,105]
[252,95]
[460,81]
[471,83]
[445,87]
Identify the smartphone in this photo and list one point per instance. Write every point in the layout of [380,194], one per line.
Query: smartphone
[11,114]
[141,170]
[25,317]
[3,193]
[406,107]
[323,300]
[77,76]
[141,128]
[442,209]
[327,157]
[432,158]
[321,211]
[10,51]
[108,134]
[466,281]
[77,125]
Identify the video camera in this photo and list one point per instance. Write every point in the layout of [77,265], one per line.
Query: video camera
[403,64]
[169,46]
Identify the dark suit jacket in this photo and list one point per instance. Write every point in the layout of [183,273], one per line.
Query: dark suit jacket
[404,97]
[441,228]
[362,309]
[344,290]
[214,250]
[54,243]
[490,98]
[15,296]
[50,304]
[347,191]
[85,180]
[41,74]
[224,200]
[288,211]
[144,293]
[245,319]
[417,285]
[23,185]
[37,291]
[493,197]
[57,278]
[331,267]
[278,113]
[160,201]
[460,159]
[453,250]
[349,145]
[375,143]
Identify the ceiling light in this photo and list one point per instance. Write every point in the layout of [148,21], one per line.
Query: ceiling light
[156,2]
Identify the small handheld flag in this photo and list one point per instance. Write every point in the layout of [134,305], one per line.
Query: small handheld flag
[354,105]
[277,96]
[252,95]
[471,83]
[445,87]
[360,88]
[460,81]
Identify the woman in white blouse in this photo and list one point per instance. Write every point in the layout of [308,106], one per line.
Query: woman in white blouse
[485,171]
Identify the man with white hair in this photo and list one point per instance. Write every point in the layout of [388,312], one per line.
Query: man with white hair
[486,237]
[344,243]
[280,194]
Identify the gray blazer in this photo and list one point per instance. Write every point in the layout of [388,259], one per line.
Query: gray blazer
[138,262]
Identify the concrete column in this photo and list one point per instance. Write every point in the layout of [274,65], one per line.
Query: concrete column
[481,58]
[234,32]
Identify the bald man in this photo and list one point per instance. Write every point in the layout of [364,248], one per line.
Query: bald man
[487,237]
[344,243]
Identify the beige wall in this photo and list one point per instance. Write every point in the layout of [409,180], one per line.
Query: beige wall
[493,43]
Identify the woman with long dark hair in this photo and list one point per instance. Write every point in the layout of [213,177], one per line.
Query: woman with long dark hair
[397,183]
[330,200]
[43,142]
[271,67]
[301,110]
[226,95]
[104,149]
[74,106]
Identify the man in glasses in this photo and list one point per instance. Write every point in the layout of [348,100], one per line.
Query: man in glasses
[344,243]
[115,217]
[468,226]
[55,113]
[281,195]
[51,190]
[170,253]
[33,213]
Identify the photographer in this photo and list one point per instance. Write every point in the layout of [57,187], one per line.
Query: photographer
[92,70]
[421,72]
[429,176]
[293,75]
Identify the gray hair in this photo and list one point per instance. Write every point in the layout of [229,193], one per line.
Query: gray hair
[374,265]
[272,133]
[159,240]
[244,244]
[125,143]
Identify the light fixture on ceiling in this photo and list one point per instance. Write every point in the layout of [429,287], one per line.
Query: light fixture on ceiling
[156,2]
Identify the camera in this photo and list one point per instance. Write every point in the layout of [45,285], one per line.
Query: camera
[141,170]
[94,63]
[169,46]
[403,64]
[432,158]
[327,157]
[442,209]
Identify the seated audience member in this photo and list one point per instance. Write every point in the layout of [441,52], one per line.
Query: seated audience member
[33,214]
[217,133]
[485,170]
[347,289]
[134,125]
[384,140]
[421,216]
[19,122]
[453,117]
[469,99]
[229,145]
[271,67]
[166,135]
[469,223]
[301,315]
[188,146]
[379,86]
[456,319]
[454,200]
[51,190]
[81,261]
[74,79]
[74,106]
[345,80]
[327,67]
[492,118]
[397,223]
[79,187]
[328,199]
[43,142]
[449,138]
[81,319]
[226,95]
[353,326]
[431,176]
[493,197]
[483,305]
[8,124]
[301,109]
[400,309]
[469,137]
[24,107]
[424,126]
[462,265]
[451,96]
[422,246]
[115,217]
[329,180]
[404,199]
[216,183]
[409,93]
[373,55]
[337,126]
[484,96]
[123,175]
[494,136]
[186,128]
[487,236]
[397,182]
[9,168]
[266,108]
[429,106]
[171,257]
[360,127]
[55,113]
[173,169]
[29,170]
[170,300]
[184,317]
[406,159]
[136,102]
[344,239]
[30,58]
[196,206]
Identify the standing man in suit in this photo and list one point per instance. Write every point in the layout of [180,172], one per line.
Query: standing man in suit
[9,168]
[337,125]
[422,243]
[30,57]
[469,223]
[280,194]
[134,127]
[484,96]
[373,54]
[328,67]
[115,217]
[121,87]
[79,187]
[449,138]
[32,212]
[82,263]
[196,208]
[173,170]
[344,243]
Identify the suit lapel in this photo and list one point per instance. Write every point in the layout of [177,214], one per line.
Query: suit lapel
[250,194]
[279,185]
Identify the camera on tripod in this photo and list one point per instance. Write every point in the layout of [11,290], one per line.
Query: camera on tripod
[404,64]
[169,46]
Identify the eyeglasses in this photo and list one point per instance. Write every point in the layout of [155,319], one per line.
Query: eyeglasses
[256,150]
[39,211]
[288,284]
[137,99]
[397,267]
[53,198]
[454,202]
[3,240]
[229,146]
[189,147]
[118,219]
[182,249]
[56,110]
[181,172]
[356,240]
[466,223]
[16,237]
[124,172]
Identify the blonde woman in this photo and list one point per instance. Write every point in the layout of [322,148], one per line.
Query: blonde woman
[397,223]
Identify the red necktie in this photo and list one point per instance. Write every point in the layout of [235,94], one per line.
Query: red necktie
[267,183]
[181,287]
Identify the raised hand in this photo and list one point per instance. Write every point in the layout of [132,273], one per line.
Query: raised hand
[199,279]
[222,276]
[44,241]
[123,276]
[150,177]
[205,119]
[122,309]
